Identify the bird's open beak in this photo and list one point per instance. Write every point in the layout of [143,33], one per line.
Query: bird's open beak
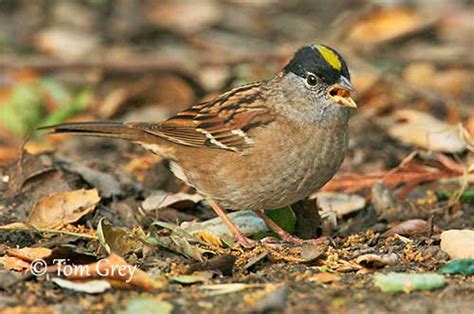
[341,91]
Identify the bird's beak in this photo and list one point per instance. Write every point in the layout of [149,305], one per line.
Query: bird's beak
[341,91]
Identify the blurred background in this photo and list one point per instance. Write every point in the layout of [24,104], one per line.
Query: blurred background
[145,60]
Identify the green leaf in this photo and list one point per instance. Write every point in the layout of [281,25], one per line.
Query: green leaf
[467,196]
[191,279]
[400,282]
[101,236]
[147,305]
[284,217]
[463,266]
[23,110]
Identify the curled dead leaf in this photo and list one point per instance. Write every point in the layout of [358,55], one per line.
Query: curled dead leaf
[162,199]
[408,227]
[114,268]
[311,252]
[20,259]
[377,261]
[59,209]
[29,254]
[14,263]
[422,130]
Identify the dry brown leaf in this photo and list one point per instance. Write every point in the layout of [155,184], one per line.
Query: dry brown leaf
[325,277]
[384,24]
[311,252]
[8,154]
[377,261]
[20,259]
[16,226]
[108,268]
[57,210]
[469,125]
[408,227]
[458,243]
[422,130]
[14,263]
[29,254]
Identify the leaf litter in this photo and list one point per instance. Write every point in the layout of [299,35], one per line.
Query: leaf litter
[60,209]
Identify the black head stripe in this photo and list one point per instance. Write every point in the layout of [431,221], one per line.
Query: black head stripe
[310,59]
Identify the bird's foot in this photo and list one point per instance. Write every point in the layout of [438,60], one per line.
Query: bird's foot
[245,242]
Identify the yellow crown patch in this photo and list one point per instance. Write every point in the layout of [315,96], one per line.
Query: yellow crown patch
[329,56]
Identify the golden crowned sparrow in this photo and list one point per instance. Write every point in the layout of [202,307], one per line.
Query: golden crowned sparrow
[259,146]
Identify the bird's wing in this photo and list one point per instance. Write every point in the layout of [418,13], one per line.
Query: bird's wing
[224,123]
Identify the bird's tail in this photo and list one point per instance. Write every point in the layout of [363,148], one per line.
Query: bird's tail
[127,131]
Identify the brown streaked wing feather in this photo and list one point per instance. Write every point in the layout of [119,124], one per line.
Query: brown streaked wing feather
[223,123]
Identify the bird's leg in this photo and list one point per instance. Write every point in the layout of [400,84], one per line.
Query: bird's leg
[238,235]
[285,236]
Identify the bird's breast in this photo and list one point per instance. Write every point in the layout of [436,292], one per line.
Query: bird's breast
[282,168]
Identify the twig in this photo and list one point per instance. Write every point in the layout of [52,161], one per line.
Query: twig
[26,227]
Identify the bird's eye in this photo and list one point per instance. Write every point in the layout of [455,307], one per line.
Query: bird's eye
[311,80]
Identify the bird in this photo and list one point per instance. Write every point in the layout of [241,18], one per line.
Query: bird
[262,145]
